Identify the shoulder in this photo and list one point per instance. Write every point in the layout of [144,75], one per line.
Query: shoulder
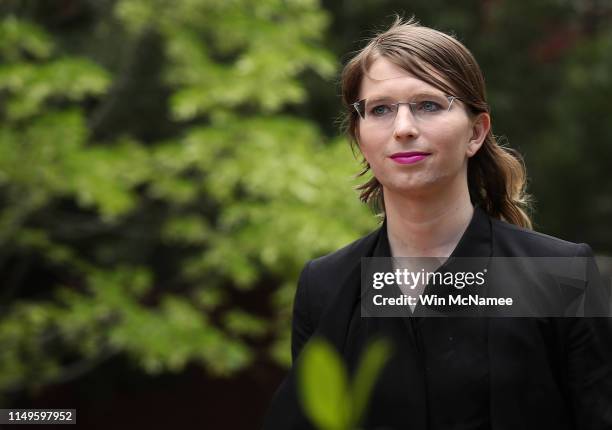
[341,260]
[512,240]
[571,265]
[322,277]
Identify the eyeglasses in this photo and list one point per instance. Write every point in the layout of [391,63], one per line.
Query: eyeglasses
[382,112]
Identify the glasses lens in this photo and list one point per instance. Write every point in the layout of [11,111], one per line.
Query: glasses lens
[380,112]
[425,109]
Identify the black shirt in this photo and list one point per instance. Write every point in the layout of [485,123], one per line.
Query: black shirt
[447,356]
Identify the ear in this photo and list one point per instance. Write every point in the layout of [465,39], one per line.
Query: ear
[481,125]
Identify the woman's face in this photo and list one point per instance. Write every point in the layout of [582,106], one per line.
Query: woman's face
[446,139]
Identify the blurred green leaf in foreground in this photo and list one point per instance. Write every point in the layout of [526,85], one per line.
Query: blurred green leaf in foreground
[328,398]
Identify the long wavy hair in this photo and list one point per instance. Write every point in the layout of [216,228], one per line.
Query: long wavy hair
[496,174]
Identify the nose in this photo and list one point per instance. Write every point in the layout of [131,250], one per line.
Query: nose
[404,125]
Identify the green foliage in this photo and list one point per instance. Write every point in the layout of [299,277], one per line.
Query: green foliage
[30,85]
[19,38]
[263,45]
[326,395]
[142,246]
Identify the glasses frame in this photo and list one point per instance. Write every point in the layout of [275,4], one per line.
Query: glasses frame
[411,105]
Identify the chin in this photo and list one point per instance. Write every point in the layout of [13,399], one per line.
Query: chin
[410,187]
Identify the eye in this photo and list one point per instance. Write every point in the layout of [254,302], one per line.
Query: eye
[380,110]
[429,106]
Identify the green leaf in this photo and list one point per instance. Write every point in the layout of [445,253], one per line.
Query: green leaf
[18,37]
[242,323]
[323,386]
[31,85]
[370,365]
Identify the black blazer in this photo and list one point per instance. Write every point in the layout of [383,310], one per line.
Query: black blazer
[458,373]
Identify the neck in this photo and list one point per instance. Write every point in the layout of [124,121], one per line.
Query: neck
[427,225]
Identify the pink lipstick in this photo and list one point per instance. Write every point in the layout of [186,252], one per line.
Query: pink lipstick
[408,157]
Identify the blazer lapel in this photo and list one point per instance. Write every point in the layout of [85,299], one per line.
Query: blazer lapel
[398,399]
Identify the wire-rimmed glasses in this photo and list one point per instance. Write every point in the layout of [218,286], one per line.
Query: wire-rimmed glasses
[381,112]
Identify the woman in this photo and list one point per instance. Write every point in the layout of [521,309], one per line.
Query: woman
[419,116]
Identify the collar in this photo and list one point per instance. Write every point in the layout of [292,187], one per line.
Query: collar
[476,240]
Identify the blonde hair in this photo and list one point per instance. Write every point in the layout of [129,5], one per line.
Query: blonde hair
[496,174]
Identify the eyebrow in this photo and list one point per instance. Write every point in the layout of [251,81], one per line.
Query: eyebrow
[376,98]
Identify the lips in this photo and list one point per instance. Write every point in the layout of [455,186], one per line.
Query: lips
[409,157]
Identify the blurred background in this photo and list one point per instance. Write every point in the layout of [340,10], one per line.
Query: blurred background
[168,167]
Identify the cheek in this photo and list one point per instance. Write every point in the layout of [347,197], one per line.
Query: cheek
[451,139]
[371,144]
